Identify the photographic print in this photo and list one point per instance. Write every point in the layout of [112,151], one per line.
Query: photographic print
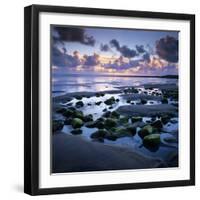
[114,98]
[109,99]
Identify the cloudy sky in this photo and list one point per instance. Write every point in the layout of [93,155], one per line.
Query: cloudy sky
[114,51]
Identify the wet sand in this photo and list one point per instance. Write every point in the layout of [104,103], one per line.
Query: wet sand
[74,154]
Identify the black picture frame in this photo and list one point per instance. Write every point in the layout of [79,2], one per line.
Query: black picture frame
[31,98]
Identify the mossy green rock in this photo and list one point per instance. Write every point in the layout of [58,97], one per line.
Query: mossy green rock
[68,113]
[78,114]
[77,123]
[115,114]
[123,120]
[132,130]
[109,123]
[136,119]
[146,130]
[152,140]
[57,125]
[76,131]
[99,134]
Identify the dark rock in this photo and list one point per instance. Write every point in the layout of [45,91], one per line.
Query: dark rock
[68,113]
[91,124]
[98,103]
[117,100]
[123,120]
[131,130]
[157,124]
[61,110]
[57,125]
[68,121]
[104,110]
[78,97]
[143,101]
[79,104]
[165,119]
[76,131]
[107,114]
[164,101]
[110,101]
[110,107]
[128,101]
[88,118]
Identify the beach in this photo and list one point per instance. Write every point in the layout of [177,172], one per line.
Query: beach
[114,124]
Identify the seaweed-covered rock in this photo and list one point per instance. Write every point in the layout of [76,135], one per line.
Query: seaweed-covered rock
[57,125]
[123,119]
[109,123]
[79,104]
[136,119]
[76,131]
[152,140]
[99,134]
[115,114]
[99,124]
[77,123]
[157,124]
[146,130]
[78,114]
[132,130]
[110,101]
[68,113]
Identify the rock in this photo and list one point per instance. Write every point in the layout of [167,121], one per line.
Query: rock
[164,101]
[110,107]
[68,113]
[76,131]
[110,101]
[68,121]
[117,100]
[107,114]
[170,139]
[111,136]
[57,125]
[90,124]
[136,119]
[152,140]
[97,94]
[165,119]
[78,97]
[143,101]
[132,130]
[109,123]
[138,124]
[89,104]
[146,130]
[99,134]
[123,120]
[77,123]
[88,118]
[98,103]
[128,101]
[99,124]
[79,104]
[157,124]
[115,114]
[61,110]
[104,110]
[78,114]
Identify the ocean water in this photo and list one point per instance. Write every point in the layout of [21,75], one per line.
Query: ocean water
[65,83]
